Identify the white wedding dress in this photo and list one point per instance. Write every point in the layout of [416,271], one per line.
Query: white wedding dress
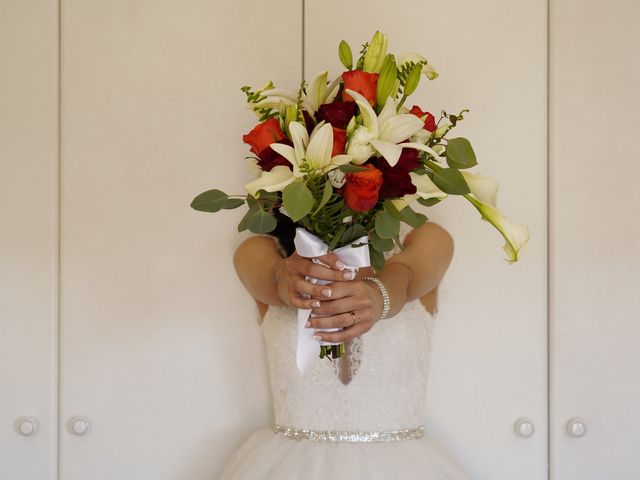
[369,428]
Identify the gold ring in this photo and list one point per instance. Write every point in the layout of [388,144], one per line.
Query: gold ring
[354,318]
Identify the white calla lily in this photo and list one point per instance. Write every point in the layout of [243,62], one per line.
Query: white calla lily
[483,196]
[381,133]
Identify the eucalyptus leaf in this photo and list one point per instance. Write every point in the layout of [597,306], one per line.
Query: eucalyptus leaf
[377,258]
[244,223]
[381,244]
[460,153]
[451,181]
[429,202]
[387,226]
[413,218]
[232,203]
[210,201]
[297,200]
[261,222]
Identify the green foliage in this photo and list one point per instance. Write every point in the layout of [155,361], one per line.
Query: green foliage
[428,202]
[460,153]
[214,201]
[297,200]
[344,52]
[386,225]
[363,52]
[451,181]
[256,97]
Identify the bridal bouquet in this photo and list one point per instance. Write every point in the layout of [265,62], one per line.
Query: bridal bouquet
[345,159]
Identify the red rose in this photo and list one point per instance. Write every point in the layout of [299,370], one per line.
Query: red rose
[339,141]
[361,189]
[430,121]
[396,180]
[269,158]
[337,114]
[364,83]
[263,135]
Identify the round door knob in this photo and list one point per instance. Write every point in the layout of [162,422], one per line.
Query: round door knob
[27,425]
[79,425]
[524,427]
[576,427]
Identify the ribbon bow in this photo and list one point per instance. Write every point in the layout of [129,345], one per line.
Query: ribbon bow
[310,246]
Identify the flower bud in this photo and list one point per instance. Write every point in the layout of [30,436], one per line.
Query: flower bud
[376,53]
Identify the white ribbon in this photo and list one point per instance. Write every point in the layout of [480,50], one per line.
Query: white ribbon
[310,246]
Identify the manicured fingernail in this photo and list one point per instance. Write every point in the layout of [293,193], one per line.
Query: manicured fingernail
[317,337]
[349,275]
[327,293]
[315,303]
[340,265]
[307,325]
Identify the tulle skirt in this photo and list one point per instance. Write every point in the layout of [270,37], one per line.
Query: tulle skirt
[269,455]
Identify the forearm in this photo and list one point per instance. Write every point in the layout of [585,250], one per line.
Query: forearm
[419,268]
[255,260]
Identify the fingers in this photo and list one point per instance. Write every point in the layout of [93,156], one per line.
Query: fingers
[328,271]
[363,324]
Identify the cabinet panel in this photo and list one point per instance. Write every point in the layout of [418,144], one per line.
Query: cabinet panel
[595,235]
[28,236]
[489,362]
[160,346]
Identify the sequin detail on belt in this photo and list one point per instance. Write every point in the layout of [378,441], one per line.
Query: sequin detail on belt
[353,437]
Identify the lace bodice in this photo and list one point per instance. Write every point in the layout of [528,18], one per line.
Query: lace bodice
[386,393]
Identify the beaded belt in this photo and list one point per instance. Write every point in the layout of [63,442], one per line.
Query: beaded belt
[354,437]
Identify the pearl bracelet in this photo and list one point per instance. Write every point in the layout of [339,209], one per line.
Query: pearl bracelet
[386,303]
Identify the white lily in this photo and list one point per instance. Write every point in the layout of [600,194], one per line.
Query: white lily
[380,133]
[311,152]
[483,195]
[318,93]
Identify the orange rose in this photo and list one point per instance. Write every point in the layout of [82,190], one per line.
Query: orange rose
[361,189]
[263,135]
[339,141]
[364,83]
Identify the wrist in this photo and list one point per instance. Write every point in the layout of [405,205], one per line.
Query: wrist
[384,304]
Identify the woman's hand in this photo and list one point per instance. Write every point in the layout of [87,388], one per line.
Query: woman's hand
[355,306]
[291,274]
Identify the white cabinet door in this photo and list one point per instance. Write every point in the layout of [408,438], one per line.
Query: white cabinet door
[161,352]
[28,239]
[595,236]
[489,364]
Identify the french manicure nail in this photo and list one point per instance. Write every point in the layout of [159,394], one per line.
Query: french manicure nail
[317,337]
[327,293]
[340,265]
[349,275]
[315,304]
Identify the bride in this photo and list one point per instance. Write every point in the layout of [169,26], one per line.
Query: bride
[359,417]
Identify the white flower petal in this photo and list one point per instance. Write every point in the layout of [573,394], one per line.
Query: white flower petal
[341,160]
[273,181]
[286,151]
[400,127]
[516,236]
[320,147]
[388,111]
[280,92]
[484,189]
[390,151]
[369,117]
[405,201]
[425,187]
[300,139]
[420,146]
[317,90]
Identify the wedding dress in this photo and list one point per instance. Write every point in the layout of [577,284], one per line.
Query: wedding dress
[369,428]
